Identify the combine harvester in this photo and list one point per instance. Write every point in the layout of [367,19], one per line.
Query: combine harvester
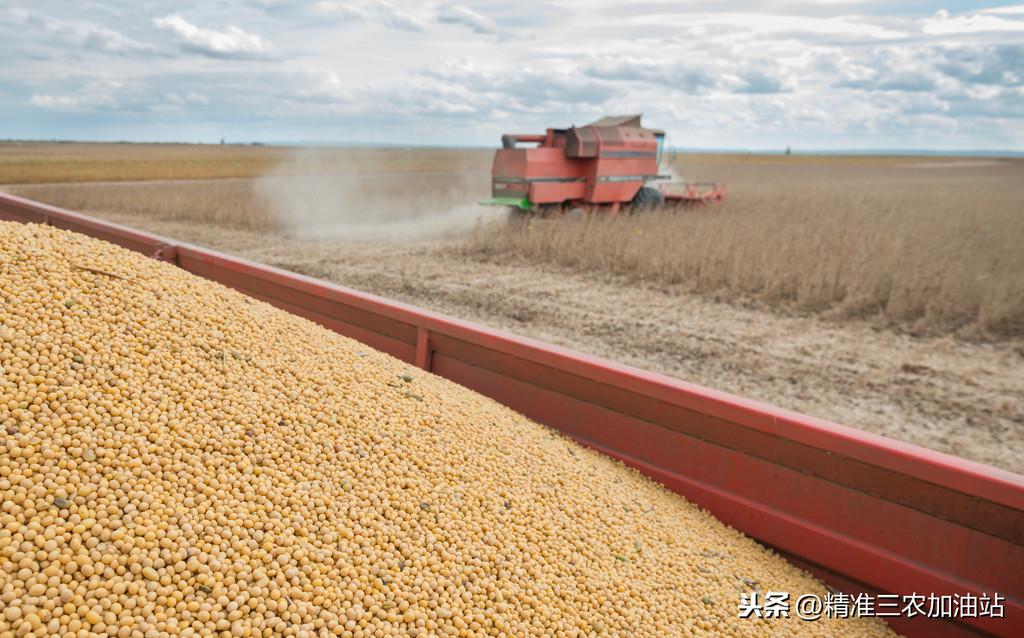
[607,165]
[913,528]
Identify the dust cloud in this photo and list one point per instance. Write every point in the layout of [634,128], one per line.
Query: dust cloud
[310,199]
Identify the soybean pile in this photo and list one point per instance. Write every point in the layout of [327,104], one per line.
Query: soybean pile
[181,460]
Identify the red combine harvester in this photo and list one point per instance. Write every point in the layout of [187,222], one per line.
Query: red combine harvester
[605,165]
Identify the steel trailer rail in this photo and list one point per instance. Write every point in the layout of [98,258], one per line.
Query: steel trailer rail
[863,512]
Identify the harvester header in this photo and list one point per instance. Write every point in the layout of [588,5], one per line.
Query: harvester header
[604,165]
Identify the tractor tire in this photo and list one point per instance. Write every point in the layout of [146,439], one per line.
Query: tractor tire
[647,198]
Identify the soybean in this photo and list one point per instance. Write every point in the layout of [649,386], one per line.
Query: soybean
[177,459]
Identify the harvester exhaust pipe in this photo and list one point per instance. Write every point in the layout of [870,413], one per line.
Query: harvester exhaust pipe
[510,141]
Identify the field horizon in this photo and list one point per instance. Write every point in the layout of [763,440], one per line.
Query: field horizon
[918,244]
[883,293]
[700,150]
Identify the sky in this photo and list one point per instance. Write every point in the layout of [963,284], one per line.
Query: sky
[728,74]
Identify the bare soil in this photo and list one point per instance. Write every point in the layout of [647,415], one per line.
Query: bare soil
[944,393]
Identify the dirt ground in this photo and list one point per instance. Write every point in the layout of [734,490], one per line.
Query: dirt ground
[946,394]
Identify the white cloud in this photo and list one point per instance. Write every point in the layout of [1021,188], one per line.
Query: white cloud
[82,34]
[670,75]
[942,23]
[119,96]
[466,17]
[762,82]
[770,23]
[232,42]
[319,85]
[993,65]
[399,19]
[528,89]
[188,98]
[107,94]
[1013,10]
[753,73]
[59,102]
[379,11]
[342,9]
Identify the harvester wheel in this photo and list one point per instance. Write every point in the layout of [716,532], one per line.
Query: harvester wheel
[647,198]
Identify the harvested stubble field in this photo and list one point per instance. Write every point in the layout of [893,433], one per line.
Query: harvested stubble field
[45,162]
[885,293]
[911,244]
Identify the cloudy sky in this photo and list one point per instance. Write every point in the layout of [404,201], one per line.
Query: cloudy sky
[727,74]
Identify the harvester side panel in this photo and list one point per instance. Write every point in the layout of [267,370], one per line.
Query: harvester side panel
[619,179]
[627,158]
[507,173]
[864,512]
[541,173]
[613,190]
[557,192]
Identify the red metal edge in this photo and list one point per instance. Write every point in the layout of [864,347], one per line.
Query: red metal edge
[916,626]
[950,471]
[966,476]
[973,479]
[889,547]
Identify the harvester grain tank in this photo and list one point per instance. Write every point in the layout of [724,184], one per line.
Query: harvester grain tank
[611,164]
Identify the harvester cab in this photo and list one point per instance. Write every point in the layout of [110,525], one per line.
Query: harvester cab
[611,164]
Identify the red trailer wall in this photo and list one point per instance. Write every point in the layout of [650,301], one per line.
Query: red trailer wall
[864,512]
